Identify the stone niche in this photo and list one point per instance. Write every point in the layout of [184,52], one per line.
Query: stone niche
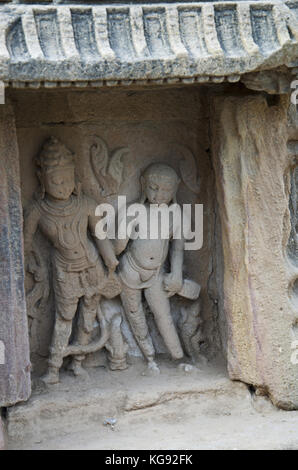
[204,89]
[168,125]
[241,150]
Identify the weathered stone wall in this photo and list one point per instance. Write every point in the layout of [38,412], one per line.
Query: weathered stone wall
[252,167]
[15,372]
[2,442]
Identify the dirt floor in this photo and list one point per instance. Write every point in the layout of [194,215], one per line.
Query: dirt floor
[126,410]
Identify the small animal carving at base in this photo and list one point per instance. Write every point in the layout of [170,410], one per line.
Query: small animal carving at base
[190,330]
[116,346]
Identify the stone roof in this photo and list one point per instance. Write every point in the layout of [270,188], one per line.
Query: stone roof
[158,42]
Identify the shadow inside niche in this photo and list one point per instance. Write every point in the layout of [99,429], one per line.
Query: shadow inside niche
[292,249]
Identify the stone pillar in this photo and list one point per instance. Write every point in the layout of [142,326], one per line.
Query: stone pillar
[252,169]
[14,344]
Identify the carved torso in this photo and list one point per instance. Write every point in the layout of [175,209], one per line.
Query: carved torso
[66,228]
[151,253]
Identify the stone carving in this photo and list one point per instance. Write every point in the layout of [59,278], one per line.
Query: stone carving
[38,296]
[188,169]
[142,268]
[66,217]
[83,274]
[116,345]
[166,35]
[189,325]
[107,170]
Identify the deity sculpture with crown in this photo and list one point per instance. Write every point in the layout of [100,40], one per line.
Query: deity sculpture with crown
[83,266]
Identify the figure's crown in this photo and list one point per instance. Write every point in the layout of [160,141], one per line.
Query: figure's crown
[54,154]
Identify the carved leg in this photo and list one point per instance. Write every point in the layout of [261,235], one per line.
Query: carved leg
[116,345]
[61,335]
[132,304]
[160,307]
[87,316]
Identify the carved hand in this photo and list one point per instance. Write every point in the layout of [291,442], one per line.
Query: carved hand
[33,265]
[112,264]
[173,283]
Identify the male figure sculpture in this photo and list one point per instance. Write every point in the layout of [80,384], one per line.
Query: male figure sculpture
[65,216]
[142,269]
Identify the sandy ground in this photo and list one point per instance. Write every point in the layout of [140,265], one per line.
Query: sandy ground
[202,410]
[188,424]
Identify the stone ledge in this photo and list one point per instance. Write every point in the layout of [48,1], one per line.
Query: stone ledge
[171,411]
[78,404]
[145,42]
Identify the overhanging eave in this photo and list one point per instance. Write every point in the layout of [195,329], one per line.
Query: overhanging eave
[168,42]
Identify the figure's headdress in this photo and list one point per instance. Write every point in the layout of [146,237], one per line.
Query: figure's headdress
[54,155]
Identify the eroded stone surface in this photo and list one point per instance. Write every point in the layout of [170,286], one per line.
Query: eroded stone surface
[252,167]
[78,404]
[15,362]
[152,413]
[145,42]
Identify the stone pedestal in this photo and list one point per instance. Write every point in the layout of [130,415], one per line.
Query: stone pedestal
[14,353]
[252,169]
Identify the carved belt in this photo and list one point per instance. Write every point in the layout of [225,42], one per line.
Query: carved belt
[145,274]
[74,266]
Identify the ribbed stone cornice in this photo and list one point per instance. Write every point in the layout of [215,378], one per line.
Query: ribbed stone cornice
[124,43]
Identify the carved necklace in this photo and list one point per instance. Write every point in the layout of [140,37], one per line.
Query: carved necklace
[53,208]
[68,231]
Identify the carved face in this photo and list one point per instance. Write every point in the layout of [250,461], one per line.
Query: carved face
[160,190]
[60,183]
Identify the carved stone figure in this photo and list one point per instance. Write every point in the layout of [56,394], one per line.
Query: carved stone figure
[116,345]
[189,325]
[38,296]
[142,268]
[66,217]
